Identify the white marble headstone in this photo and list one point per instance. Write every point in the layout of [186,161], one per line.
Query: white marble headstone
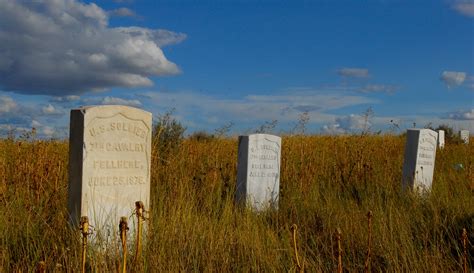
[464,135]
[258,171]
[420,154]
[109,164]
[441,140]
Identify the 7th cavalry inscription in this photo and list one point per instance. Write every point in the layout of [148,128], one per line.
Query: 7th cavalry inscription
[109,163]
[258,172]
[420,155]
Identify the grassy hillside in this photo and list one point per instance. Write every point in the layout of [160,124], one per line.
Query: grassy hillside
[326,183]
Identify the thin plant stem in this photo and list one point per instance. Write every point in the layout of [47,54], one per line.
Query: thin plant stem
[84,227]
[123,227]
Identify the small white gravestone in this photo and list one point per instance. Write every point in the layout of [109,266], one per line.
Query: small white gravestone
[109,164]
[441,140]
[420,153]
[258,171]
[464,135]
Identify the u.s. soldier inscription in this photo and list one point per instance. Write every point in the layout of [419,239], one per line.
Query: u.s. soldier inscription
[258,174]
[420,154]
[109,163]
[464,135]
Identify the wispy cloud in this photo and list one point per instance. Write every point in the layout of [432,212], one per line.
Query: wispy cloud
[358,80]
[161,37]
[462,115]
[284,107]
[122,12]
[19,117]
[464,7]
[119,101]
[379,88]
[356,123]
[7,104]
[70,98]
[353,72]
[66,47]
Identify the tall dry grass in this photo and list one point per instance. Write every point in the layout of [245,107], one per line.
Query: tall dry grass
[326,183]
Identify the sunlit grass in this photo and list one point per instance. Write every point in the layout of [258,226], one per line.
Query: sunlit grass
[326,183]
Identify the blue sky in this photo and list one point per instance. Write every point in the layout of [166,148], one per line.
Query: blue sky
[245,62]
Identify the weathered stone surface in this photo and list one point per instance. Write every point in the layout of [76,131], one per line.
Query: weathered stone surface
[464,135]
[441,140]
[109,164]
[420,154]
[258,172]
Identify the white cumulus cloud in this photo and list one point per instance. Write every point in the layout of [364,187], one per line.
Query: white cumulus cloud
[65,47]
[346,124]
[453,78]
[35,123]
[353,122]
[50,110]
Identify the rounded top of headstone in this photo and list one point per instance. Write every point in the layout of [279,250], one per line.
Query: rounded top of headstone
[420,129]
[262,135]
[111,109]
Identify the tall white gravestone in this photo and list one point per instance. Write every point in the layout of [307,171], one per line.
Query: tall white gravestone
[420,153]
[441,140]
[109,164]
[258,171]
[464,135]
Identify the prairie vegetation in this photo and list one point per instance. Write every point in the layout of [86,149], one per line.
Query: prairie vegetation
[327,183]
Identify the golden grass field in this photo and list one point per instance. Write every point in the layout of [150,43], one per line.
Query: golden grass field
[327,182]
